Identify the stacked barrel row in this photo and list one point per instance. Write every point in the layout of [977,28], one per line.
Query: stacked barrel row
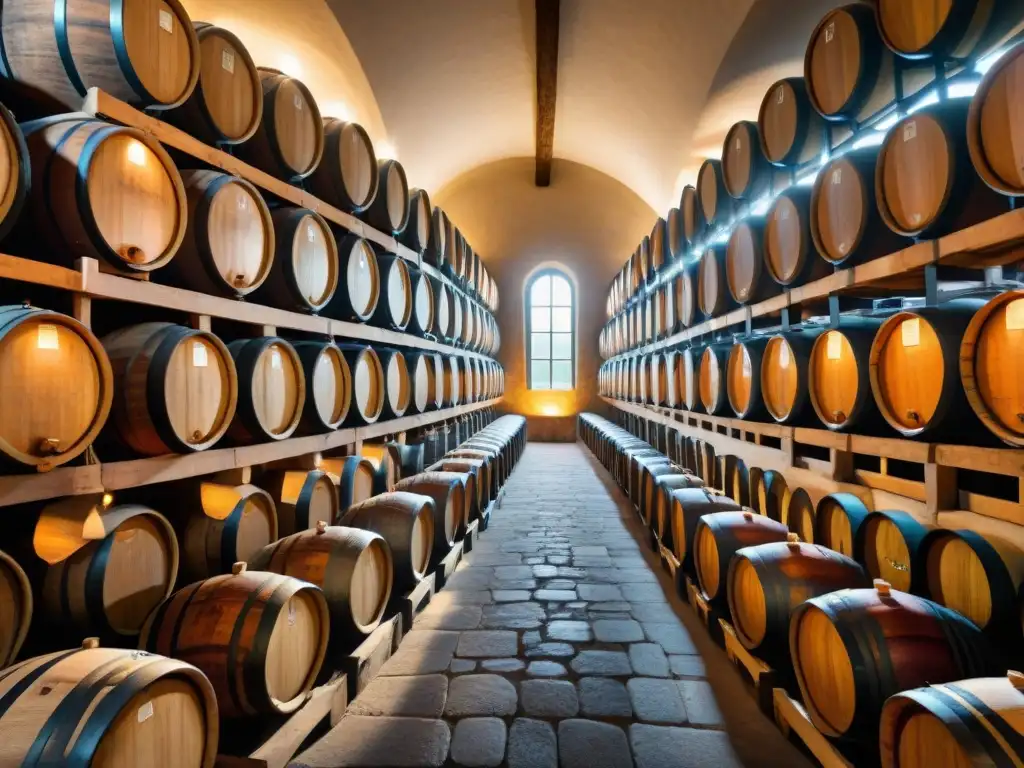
[276,583]
[936,373]
[911,670]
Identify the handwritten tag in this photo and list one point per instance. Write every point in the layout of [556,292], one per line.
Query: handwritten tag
[830,32]
[1015,315]
[837,176]
[910,332]
[227,61]
[47,337]
[780,94]
[910,131]
[291,613]
[243,204]
[297,101]
[834,345]
[145,711]
[166,21]
[310,233]
[199,356]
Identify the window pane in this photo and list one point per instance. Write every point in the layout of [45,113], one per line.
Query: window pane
[561,375]
[561,346]
[561,319]
[561,295]
[540,348]
[541,374]
[540,319]
[540,293]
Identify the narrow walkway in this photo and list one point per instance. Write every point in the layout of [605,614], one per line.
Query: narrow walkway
[558,641]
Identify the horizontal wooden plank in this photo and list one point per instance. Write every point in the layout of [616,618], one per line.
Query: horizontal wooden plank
[63,481]
[38,272]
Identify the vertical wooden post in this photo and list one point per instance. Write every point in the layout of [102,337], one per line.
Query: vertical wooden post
[940,489]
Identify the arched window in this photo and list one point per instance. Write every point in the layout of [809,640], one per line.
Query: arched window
[551,331]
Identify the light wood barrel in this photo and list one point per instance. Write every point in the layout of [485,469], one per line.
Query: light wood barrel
[397,382]
[456,310]
[15,609]
[719,536]
[389,211]
[436,243]
[451,505]
[772,494]
[328,386]
[453,394]
[920,30]
[226,106]
[443,321]
[674,234]
[839,382]
[354,476]
[790,257]
[194,372]
[689,505]
[15,171]
[259,637]
[784,374]
[767,582]
[105,191]
[659,253]
[470,484]
[686,296]
[715,204]
[693,215]
[229,243]
[995,125]
[368,383]
[912,642]
[305,275]
[743,378]
[838,519]
[395,307]
[956,725]
[423,380]
[890,545]
[745,170]
[347,175]
[664,486]
[712,283]
[421,321]
[145,53]
[713,378]
[790,129]
[385,465]
[47,358]
[478,468]
[289,142]
[271,404]
[801,515]
[690,384]
[416,234]
[303,499]
[747,277]
[406,523]
[493,462]
[352,566]
[107,707]
[360,289]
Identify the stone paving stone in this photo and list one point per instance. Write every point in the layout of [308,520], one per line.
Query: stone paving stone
[526,584]
[469,578]
[510,595]
[615,606]
[555,595]
[590,744]
[646,593]
[635,576]
[550,650]
[531,638]
[479,742]
[664,747]
[546,669]
[687,666]
[599,593]
[462,597]
[513,616]
[570,631]
[648,660]
[549,698]
[480,695]
[534,560]
[502,665]
[507,572]
[571,572]
[545,571]
[474,559]
[656,701]
[380,742]
[532,744]
[492,643]
[603,697]
[560,584]
[592,562]
[617,631]
[422,651]
[558,560]
[658,613]
[460,666]
[605,663]
[699,700]
[409,696]
[448,617]
[671,637]
[585,550]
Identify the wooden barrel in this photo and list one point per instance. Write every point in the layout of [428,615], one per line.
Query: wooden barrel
[305,276]
[951,29]
[452,381]
[713,378]
[994,125]
[389,211]
[693,215]
[346,177]
[15,171]
[451,505]
[195,376]
[784,374]
[455,309]
[354,476]
[716,206]
[890,545]
[436,243]
[717,537]
[791,131]
[395,307]
[443,320]
[493,461]
[421,321]
[839,382]
[360,288]
[767,582]
[469,482]
[289,142]
[747,277]
[686,295]
[226,105]
[368,383]
[328,386]
[104,191]
[271,404]
[659,247]
[478,468]
[406,523]
[837,522]
[385,466]
[772,493]
[146,54]
[914,370]
[688,507]
[15,608]
[416,234]
[789,254]
[303,499]
[712,283]
[854,648]
[743,378]
[642,488]
[664,486]
[674,237]
[352,566]
[423,380]
[745,170]
[259,637]
[397,382]
[128,708]
[960,724]
[733,478]
[690,385]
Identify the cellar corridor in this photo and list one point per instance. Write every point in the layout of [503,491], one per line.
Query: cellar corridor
[558,641]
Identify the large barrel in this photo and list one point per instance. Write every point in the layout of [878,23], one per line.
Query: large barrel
[674,234]
[733,478]
[436,243]
[353,568]
[890,545]
[395,307]
[784,376]
[493,461]
[745,170]
[767,582]
[689,505]
[791,130]
[270,404]
[743,374]
[661,507]
[443,324]
[693,215]
[328,386]
[994,126]
[305,276]
[478,468]
[960,724]
[801,515]
[15,169]
[15,608]
[347,175]
[58,387]
[713,378]
[360,289]
[421,321]
[259,637]
[452,384]
[718,537]
[385,466]
[690,384]
[226,105]
[105,191]
[451,505]
[417,230]
[107,707]
[470,484]
[659,246]
[289,142]
[406,522]
[192,372]
[713,284]
[367,383]
[303,499]
[746,275]
[423,380]
[144,53]
[770,494]
[397,384]
[789,254]
[839,377]
[715,204]
[950,29]
[354,476]
[389,211]
[838,520]
[854,648]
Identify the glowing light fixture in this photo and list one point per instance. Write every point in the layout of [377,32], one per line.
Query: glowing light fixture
[107,499]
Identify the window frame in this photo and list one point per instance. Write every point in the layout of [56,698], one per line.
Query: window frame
[528,304]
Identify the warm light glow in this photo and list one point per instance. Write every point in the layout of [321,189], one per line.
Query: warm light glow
[290,65]
[137,153]
[550,409]
[107,499]
[386,150]
[338,109]
[47,337]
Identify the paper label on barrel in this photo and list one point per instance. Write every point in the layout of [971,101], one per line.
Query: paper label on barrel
[243,204]
[310,232]
[780,94]
[837,176]
[784,355]
[275,359]
[835,346]
[227,61]
[297,101]
[830,32]
[782,214]
[910,130]
[166,21]
[145,711]
[1015,315]
[291,613]
[910,332]
[47,337]
[199,356]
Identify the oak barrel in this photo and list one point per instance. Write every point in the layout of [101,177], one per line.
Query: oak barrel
[715,204]
[920,30]
[416,234]
[839,378]
[995,125]
[452,382]
[423,380]
[354,477]
[713,378]
[271,402]
[772,493]
[397,382]
[470,484]
[733,478]
[421,320]
[406,522]
[801,514]
[790,257]
[890,545]
[302,498]
[689,505]
[674,234]
[663,487]
[719,536]
[15,608]
[837,521]
[713,283]
[784,374]
[791,131]
[385,465]
[15,171]
[305,275]
[442,310]
[389,211]
[743,378]
[259,637]
[368,383]
[479,468]
[660,254]
[690,383]
[693,215]
[747,276]
[451,505]
[328,386]
[360,284]
[346,176]
[745,170]
[395,306]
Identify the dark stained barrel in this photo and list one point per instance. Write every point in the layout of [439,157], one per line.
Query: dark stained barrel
[689,506]
[746,272]
[715,204]
[354,477]
[347,175]
[712,283]
[397,382]
[713,378]
[791,130]
[436,244]
[784,368]
[693,215]
[743,374]
[801,514]
[733,478]
[920,30]
[305,276]
[790,257]
[745,170]
[720,536]
[665,485]
[389,211]
[838,520]
[416,234]
[451,505]
[839,378]
[995,127]
[890,545]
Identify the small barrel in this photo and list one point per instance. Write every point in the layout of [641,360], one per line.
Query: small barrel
[359,293]
[352,566]
[713,378]
[303,499]
[195,376]
[416,234]
[693,215]
[259,637]
[443,320]
[801,514]
[784,367]
[15,608]
[837,521]
[436,243]
[146,53]
[406,523]
[226,105]
[271,404]
[854,648]
[839,380]
[960,724]
[772,493]
[354,476]
[328,386]
[664,486]
[395,307]
[346,177]
[305,276]
[790,257]
[132,708]
[469,483]
[389,211]
[951,29]
[289,142]
[15,169]
[385,466]
[791,131]
[715,204]
[889,544]
[492,459]
[718,537]
[368,384]
[397,383]
[423,380]
[767,582]
[995,127]
[733,478]
[746,275]
[743,378]
[451,505]
[713,284]
[421,320]
[105,191]
[481,472]
[745,170]
[688,507]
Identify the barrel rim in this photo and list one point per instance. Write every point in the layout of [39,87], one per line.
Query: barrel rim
[960,22]
[856,11]
[27,605]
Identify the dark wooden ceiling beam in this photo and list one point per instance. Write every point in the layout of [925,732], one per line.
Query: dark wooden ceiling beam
[547,84]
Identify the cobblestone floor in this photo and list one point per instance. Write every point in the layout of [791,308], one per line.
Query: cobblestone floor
[559,641]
